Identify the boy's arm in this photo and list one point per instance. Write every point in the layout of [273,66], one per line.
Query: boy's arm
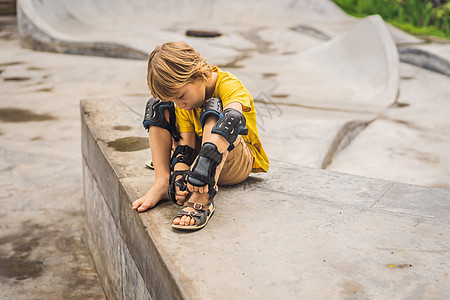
[230,124]
[221,143]
[236,105]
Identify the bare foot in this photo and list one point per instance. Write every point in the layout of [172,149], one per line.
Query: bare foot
[196,197]
[151,198]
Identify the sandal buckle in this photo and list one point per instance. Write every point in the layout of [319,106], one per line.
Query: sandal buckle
[198,206]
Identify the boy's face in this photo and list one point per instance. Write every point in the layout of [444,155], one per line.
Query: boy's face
[190,96]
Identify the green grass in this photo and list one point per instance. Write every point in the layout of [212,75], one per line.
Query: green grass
[418,17]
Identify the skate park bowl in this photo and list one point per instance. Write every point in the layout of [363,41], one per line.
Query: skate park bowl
[318,78]
[295,53]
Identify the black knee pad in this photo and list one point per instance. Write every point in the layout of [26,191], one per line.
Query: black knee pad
[231,123]
[212,106]
[154,116]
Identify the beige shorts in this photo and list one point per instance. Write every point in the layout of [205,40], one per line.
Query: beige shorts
[238,165]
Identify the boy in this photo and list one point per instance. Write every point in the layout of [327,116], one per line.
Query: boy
[213,114]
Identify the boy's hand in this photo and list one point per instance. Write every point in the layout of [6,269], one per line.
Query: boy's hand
[180,195]
[180,189]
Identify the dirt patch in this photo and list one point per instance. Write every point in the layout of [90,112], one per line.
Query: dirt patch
[400,266]
[49,89]
[13,63]
[203,33]
[353,289]
[269,75]
[16,264]
[35,69]
[400,104]
[19,115]
[129,144]
[20,268]
[16,78]
[279,95]
[122,127]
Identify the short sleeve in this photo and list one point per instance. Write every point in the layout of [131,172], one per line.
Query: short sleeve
[231,90]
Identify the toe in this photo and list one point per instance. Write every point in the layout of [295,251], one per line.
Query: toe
[176,221]
[192,222]
[136,203]
[183,218]
[143,207]
[187,221]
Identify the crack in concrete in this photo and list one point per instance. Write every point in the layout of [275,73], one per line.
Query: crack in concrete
[381,197]
[343,138]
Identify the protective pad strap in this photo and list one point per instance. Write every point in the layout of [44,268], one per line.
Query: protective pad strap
[174,182]
[154,116]
[212,106]
[183,154]
[231,123]
[204,170]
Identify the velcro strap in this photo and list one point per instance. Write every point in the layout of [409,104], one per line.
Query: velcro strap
[208,181]
[212,154]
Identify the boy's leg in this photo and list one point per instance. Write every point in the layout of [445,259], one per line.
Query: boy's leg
[201,196]
[160,145]
[238,166]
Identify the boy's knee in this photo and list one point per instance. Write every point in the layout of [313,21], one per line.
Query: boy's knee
[161,114]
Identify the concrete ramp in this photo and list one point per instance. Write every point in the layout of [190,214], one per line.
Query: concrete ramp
[355,71]
[350,79]
[132,29]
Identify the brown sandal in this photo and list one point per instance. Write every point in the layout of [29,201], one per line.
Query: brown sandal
[202,215]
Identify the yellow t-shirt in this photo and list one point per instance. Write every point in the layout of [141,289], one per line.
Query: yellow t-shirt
[229,89]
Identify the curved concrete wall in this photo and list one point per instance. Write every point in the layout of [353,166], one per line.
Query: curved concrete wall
[141,25]
[131,29]
[357,70]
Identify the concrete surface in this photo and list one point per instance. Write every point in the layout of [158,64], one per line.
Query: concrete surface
[43,254]
[42,231]
[299,233]
[409,141]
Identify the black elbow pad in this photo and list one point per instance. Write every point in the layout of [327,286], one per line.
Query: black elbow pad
[231,123]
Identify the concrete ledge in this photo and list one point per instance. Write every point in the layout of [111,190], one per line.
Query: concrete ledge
[293,233]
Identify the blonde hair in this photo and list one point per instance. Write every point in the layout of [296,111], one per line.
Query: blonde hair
[173,65]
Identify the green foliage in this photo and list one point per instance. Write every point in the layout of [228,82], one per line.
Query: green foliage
[416,16]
